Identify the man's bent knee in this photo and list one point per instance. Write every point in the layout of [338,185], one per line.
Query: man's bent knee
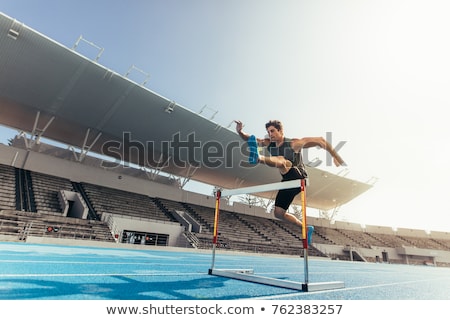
[279,213]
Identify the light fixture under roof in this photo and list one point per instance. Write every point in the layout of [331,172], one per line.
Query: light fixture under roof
[170,107]
[13,34]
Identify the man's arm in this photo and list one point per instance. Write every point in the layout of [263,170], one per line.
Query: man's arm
[308,142]
[239,127]
[245,136]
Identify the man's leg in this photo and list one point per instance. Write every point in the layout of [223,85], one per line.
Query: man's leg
[273,161]
[277,162]
[253,148]
[281,214]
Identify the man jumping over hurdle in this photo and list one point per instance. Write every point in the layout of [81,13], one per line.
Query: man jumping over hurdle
[285,154]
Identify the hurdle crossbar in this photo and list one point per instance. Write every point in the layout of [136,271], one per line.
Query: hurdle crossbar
[262,188]
[248,274]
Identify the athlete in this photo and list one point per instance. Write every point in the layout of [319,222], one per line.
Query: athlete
[285,155]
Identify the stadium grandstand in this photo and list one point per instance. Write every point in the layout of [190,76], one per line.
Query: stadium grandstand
[114,178]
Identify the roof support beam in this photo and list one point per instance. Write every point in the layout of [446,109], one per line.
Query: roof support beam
[85,148]
[190,173]
[153,173]
[36,133]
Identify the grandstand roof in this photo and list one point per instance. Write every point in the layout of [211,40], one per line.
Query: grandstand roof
[51,91]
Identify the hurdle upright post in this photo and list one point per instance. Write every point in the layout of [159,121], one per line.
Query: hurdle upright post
[304,232]
[218,193]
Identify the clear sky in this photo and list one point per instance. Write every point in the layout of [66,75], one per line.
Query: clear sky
[374,74]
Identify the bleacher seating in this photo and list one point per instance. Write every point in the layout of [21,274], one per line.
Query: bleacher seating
[124,203]
[45,189]
[7,187]
[443,244]
[390,240]
[244,232]
[24,224]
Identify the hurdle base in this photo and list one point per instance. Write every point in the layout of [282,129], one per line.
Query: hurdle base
[249,276]
[322,286]
[244,271]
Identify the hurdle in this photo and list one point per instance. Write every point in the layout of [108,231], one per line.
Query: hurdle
[248,274]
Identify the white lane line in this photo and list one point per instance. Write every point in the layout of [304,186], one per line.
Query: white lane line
[97,262]
[392,284]
[31,275]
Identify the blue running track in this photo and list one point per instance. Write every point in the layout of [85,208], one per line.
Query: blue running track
[53,272]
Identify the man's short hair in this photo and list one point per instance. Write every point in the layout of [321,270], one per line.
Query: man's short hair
[275,123]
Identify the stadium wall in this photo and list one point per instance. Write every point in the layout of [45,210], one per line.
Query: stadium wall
[174,230]
[403,254]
